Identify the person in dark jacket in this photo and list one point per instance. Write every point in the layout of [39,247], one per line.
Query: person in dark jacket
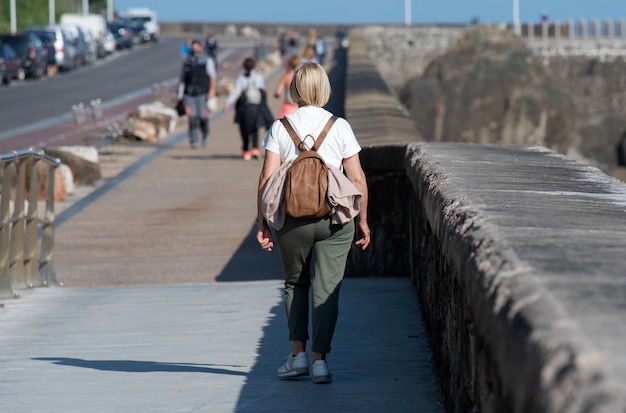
[51,59]
[197,85]
[251,109]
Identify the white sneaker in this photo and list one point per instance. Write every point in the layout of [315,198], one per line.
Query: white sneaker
[294,366]
[321,373]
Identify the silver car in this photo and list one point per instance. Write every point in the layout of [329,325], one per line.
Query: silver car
[66,53]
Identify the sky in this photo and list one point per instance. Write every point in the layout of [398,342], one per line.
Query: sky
[375,11]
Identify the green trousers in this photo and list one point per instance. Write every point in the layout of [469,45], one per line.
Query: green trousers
[300,243]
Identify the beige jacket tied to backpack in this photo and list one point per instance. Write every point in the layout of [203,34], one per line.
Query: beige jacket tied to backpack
[344,198]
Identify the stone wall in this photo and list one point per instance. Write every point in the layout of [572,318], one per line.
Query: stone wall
[517,254]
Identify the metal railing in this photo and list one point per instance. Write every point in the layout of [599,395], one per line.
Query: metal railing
[26,259]
[91,124]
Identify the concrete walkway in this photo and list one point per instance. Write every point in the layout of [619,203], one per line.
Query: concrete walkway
[169,305]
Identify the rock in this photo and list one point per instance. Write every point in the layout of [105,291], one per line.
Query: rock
[225,86]
[67,177]
[146,129]
[230,30]
[167,115]
[85,172]
[88,153]
[43,174]
[489,89]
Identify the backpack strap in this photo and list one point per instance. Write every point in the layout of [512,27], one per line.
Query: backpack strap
[294,135]
[323,133]
[299,143]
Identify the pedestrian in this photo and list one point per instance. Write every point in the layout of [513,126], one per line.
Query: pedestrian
[282,44]
[197,85]
[211,46]
[251,110]
[282,88]
[321,241]
[51,60]
[185,49]
[308,55]
[320,49]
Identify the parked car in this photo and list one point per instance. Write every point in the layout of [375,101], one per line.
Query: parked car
[108,41]
[148,18]
[11,64]
[65,51]
[140,35]
[30,49]
[92,22]
[122,34]
[92,45]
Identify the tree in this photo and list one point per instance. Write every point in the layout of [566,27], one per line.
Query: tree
[35,12]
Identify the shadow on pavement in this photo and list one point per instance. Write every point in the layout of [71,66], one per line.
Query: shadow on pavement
[134,366]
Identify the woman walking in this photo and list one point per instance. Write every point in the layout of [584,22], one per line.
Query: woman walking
[302,241]
[251,110]
[282,88]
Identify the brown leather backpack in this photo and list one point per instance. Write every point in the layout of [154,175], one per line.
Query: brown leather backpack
[306,183]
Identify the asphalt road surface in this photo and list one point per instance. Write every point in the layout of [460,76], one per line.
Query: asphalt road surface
[32,102]
[38,113]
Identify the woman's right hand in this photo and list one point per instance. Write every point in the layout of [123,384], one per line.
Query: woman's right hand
[264,236]
[362,234]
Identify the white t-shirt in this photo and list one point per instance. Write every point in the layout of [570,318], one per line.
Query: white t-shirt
[340,143]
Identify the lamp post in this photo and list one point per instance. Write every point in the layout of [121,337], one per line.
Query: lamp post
[407,12]
[110,10]
[13,17]
[517,28]
[51,12]
[85,7]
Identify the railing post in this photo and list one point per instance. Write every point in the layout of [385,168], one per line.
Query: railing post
[16,262]
[78,113]
[46,262]
[96,110]
[597,29]
[6,291]
[154,88]
[531,32]
[571,28]
[557,31]
[30,246]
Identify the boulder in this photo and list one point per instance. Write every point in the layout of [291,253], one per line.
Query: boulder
[489,88]
[88,153]
[146,129]
[43,174]
[85,172]
[67,178]
[167,116]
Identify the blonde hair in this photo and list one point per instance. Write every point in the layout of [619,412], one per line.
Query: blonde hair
[310,85]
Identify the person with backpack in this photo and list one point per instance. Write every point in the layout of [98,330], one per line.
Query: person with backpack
[319,238]
[197,85]
[251,110]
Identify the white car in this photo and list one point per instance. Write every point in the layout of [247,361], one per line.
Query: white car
[108,42]
[149,20]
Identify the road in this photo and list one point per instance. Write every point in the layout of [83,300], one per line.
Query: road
[38,113]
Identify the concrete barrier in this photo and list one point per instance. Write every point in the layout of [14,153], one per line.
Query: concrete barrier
[517,254]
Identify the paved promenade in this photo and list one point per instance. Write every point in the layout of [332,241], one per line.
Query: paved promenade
[168,305]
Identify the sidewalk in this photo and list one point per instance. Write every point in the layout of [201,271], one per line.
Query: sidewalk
[184,289]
